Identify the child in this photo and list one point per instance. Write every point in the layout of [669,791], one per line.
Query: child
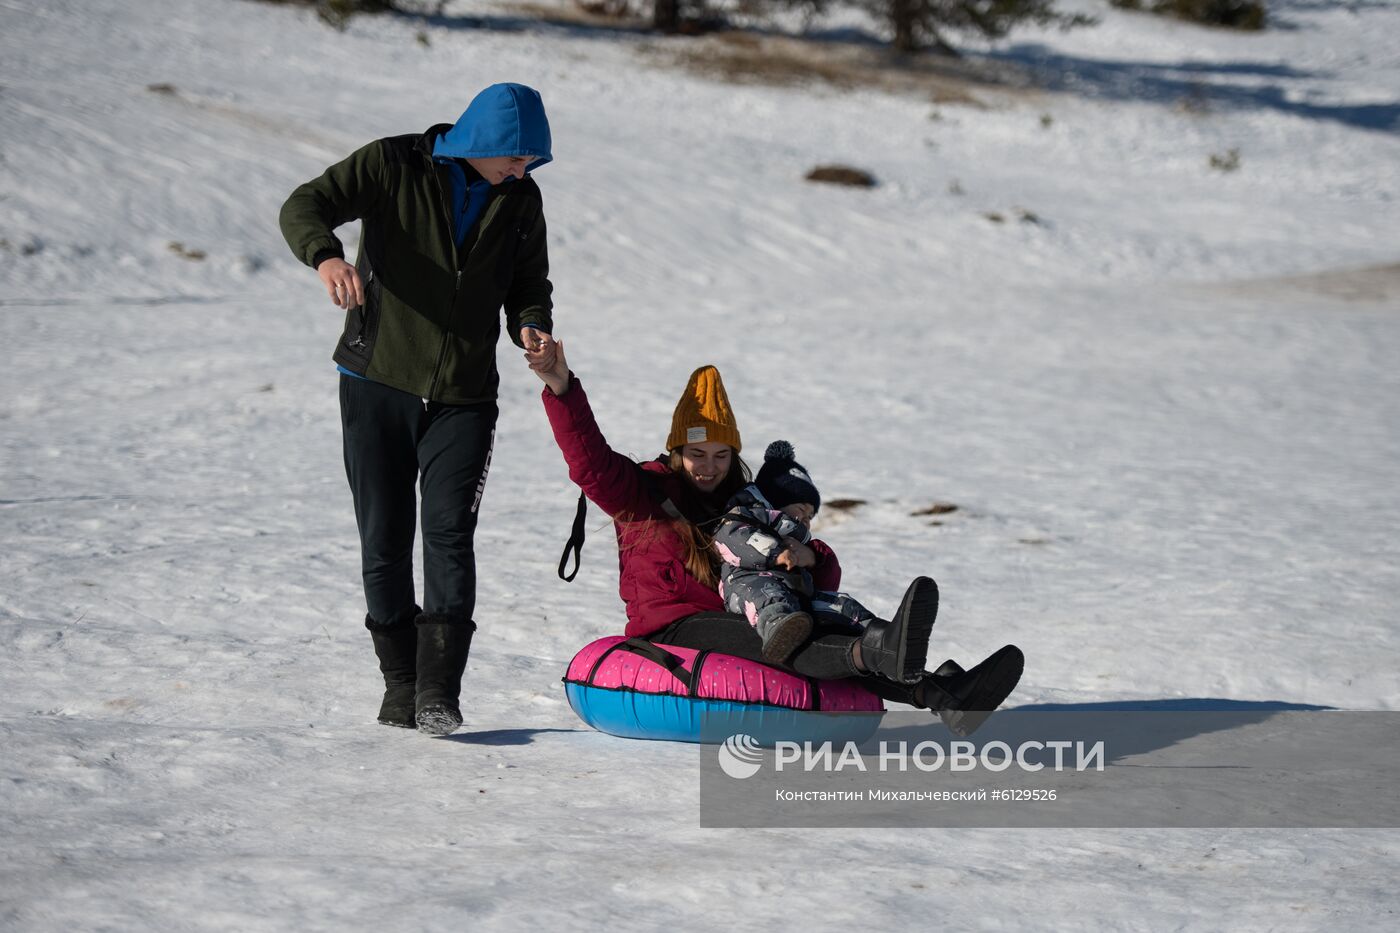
[773,571]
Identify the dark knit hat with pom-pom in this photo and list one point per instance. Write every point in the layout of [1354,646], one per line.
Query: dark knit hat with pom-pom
[783,481]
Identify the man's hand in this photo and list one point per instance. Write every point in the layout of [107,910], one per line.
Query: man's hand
[342,283]
[794,555]
[556,374]
[540,349]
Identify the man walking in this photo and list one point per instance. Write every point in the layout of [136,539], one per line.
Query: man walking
[453,231]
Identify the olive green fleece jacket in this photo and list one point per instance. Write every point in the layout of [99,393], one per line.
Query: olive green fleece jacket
[432,311]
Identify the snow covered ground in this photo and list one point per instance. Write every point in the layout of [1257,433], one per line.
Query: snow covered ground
[1168,411]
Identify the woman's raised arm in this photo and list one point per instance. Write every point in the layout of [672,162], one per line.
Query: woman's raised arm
[613,481]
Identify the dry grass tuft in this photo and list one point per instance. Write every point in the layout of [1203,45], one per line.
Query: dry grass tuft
[937,508]
[842,175]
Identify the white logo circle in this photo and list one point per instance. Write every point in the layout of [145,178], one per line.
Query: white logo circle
[740,756]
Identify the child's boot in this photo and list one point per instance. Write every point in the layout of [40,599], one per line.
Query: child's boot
[784,635]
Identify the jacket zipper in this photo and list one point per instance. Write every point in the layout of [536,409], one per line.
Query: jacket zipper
[359,342]
[491,210]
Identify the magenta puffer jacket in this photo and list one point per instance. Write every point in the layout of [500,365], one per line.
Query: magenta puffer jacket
[653,582]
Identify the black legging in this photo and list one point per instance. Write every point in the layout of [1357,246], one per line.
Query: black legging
[826,655]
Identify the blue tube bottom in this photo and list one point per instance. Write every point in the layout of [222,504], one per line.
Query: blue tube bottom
[669,718]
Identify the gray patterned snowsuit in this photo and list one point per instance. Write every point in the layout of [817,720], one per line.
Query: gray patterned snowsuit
[748,539]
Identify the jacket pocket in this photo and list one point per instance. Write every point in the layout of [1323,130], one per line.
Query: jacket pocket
[655,579]
[362,325]
[673,578]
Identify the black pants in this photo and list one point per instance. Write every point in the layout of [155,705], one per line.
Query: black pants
[392,441]
[826,655]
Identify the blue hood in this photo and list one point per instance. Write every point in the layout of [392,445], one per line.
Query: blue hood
[503,120]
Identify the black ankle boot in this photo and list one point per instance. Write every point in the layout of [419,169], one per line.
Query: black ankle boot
[443,643]
[964,699]
[396,646]
[896,649]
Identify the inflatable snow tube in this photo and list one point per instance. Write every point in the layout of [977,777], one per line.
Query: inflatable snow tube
[632,688]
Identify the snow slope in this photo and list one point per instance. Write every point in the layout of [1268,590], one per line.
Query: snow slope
[1172,444]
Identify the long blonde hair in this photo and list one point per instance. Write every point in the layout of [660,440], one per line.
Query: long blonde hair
[701,561]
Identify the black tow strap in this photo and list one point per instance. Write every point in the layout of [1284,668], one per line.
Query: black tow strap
[575,543]
[657,655]
[672,663]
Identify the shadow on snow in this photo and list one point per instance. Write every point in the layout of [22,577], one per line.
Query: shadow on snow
[504,736]
[1127,727]
[1191,84]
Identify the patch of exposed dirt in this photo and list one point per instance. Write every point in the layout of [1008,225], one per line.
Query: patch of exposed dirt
[574,15]
[745,56]
[937,508]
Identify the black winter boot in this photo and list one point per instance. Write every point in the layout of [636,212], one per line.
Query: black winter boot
[896,649]
[964,699]
[443,643]
[396,645]
[784,636]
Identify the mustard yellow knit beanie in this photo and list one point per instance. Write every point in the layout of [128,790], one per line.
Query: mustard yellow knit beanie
[703,413]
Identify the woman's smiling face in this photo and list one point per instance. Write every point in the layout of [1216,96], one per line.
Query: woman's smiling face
[707,464]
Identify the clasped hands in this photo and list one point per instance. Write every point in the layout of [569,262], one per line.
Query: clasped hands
[545,356]
[795,555]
